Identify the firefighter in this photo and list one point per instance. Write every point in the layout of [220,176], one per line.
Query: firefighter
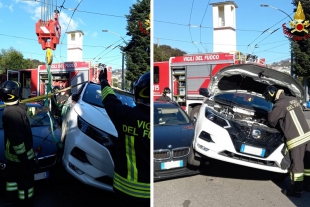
[287,114]
[18,147]
[164,96]
[132,160]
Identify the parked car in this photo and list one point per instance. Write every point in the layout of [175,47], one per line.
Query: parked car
[45,145]
[89,136]
[173,135]
[232,123]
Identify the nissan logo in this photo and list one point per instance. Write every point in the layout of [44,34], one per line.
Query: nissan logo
[256,134]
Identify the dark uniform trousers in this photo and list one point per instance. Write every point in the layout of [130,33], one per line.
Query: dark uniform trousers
[19,183]
[300,167]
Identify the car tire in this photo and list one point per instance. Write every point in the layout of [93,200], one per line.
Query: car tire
[194,112]
[192,159]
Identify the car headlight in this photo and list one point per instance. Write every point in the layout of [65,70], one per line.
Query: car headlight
[216,119]
[99,136]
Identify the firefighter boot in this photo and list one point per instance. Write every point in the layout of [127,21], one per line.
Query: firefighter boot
[11,198]
[306,188]
[290,193]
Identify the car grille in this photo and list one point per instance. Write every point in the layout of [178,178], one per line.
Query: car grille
[47,161]
[248,159]
[240,133]
[173,153]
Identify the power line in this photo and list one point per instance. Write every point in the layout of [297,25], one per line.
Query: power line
[202,22]
[19,37]
[69,24]
[189,25]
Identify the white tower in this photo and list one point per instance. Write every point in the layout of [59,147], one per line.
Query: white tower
[75,45]
[224,26]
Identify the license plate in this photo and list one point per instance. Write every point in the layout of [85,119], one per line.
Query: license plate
[42,175]
[252,150]
[172,164]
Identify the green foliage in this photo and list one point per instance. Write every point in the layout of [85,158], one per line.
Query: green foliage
[115,82]
[164,52]
[138,49]
[12,59]
[301,49]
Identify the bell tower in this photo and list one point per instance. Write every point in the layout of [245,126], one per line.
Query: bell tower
[224,26]
[75,45]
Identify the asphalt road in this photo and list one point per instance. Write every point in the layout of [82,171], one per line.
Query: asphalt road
[228,185]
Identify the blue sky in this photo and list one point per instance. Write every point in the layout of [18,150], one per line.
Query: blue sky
[18,19]
[171,20]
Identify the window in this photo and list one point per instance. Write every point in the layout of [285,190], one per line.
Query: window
[156,74]
[73,37]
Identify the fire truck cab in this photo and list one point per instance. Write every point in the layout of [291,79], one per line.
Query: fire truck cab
[186,74]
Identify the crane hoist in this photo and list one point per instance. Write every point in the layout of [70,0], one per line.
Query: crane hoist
[48,28]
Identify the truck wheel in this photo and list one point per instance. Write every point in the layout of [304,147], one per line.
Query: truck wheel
[192,159]
[194,112]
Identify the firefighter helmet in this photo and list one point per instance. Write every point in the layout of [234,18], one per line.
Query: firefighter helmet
[270,93]
[141,90]
[166,90]
[10,91]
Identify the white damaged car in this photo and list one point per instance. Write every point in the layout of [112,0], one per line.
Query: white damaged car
[89,136]
[232,124]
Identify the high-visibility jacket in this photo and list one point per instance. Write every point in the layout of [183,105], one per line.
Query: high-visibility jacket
[17,134]
[288,113]
[132,160]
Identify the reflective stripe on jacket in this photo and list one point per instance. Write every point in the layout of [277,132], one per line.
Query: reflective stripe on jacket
[287,113]
[132,160]
[17,133]
[14,157]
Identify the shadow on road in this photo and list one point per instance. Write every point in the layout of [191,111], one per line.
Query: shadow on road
[217,168]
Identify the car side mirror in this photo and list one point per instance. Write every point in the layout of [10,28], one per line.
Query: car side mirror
[75,97]
[204,92]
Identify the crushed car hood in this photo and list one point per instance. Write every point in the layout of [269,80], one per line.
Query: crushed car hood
[254,78]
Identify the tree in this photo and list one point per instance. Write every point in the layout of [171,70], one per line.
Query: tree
[164,52]
[137,51]
[115,82]
[13,60]
[301,48]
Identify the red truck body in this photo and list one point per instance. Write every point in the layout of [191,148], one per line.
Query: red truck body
[185,75]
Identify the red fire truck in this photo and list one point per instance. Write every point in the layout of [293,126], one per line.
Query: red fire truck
[184,75]
[34,81]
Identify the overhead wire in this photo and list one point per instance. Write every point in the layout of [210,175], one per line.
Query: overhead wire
[256,45]
[264,32]
[19,37]
[189,26]
[69,24]
[201,24]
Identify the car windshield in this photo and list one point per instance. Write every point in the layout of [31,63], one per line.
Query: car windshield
[244,100]
[170,116]
[92,95]
[38,116]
